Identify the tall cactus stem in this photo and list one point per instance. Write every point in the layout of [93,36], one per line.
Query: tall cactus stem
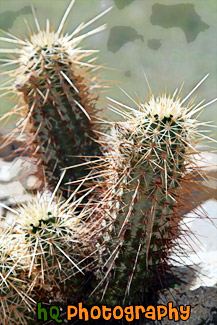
[57,87]
[151,171]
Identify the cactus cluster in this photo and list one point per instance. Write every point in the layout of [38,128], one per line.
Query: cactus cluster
[56,86]
[110,241]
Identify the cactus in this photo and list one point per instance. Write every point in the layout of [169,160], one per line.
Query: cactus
[151,174]
[56,87]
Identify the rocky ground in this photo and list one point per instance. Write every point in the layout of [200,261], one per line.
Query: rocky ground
[18,180]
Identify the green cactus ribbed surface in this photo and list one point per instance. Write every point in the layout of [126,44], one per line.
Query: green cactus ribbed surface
[60,130]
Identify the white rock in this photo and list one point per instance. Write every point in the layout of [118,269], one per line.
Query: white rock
[13,189]
[4,172]
[202,223]
[32,182]
[10,171]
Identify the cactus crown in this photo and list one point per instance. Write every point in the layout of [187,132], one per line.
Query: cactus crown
[50,231]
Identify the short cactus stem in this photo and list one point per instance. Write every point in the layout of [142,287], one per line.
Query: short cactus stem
[51,256]
[49,253]
[149,175]
[50,231]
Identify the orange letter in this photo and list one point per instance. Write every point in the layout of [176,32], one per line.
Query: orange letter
[104,310]
[173,310]
[120,310]
[153,313]
[187,312]
[137,308]
[69,314]
[98,312]
[159,314]
[130,312]
[82,310]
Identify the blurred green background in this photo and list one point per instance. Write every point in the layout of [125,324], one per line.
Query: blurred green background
[171,40]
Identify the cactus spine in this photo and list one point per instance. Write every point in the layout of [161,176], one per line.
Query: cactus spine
[57,93]
[149,175]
